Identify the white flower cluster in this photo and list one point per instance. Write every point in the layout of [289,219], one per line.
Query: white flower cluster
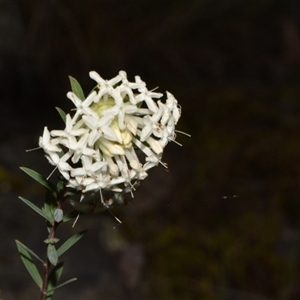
[115,136]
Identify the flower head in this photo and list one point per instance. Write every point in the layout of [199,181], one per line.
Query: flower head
[118,132]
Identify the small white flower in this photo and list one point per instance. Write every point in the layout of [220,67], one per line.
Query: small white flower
[60,163]
[105,86]
[127,88]
[147,96]
[71,130]
[89,168]
[99,127]
[120,110]
[48,144]
[82,107]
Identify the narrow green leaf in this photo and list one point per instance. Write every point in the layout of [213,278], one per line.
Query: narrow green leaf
[71,193]
[50,204]
[36,209]
[70,242]
[29,264]
[52,254]
[58,215]
[70,216]
[39,178]
[76,88]
[29,251]
[54,277]
[61,113]
[61,183]
[64,283]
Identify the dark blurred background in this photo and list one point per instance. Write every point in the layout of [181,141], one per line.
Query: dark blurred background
[223,222]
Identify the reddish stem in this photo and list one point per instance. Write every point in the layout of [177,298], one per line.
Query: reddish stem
[47,264]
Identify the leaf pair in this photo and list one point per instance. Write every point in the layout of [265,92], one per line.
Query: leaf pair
[27,256]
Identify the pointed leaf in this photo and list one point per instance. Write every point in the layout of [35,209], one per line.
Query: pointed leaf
[50,204]
[76,88]
[63,284]
[61,113]
[52,254]
[39,178]
[54,277]
[70,216]
[71,193]
[29,264]
[29,251]
[36,209]
[61,183]
[70,242]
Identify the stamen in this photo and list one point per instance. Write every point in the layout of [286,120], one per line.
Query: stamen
[101,197]
[74,223]
[163,164]
[184,133]
[33,149]
[51,173]
[175,142]
[154,89]
[117,219]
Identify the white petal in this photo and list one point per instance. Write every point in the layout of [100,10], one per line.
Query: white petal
[146,132]
[113,148]
[46,136]
[89,152]
[90,121]
[155,145]
[95,76]
[131,125]
[109,134]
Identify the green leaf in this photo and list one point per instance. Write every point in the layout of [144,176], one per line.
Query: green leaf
[36,209]
[76,88]
[50,204]
[29,264]
[71,193]
[51,241]
[52,254]
[61,113]
[64,283]
[70,216]
[70,242]
[29,251]
[61,183]
[58,215]
[54,277]
[39,178]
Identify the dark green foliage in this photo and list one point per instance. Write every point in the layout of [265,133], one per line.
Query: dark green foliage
[53,215]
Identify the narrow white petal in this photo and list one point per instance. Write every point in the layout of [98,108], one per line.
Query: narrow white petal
[131,124]
[146,132]
[155,145]
[90,121]
[95,76]
[113,148]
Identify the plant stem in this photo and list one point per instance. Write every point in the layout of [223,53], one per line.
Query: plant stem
[47,264]
[45,280]
[52,230]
